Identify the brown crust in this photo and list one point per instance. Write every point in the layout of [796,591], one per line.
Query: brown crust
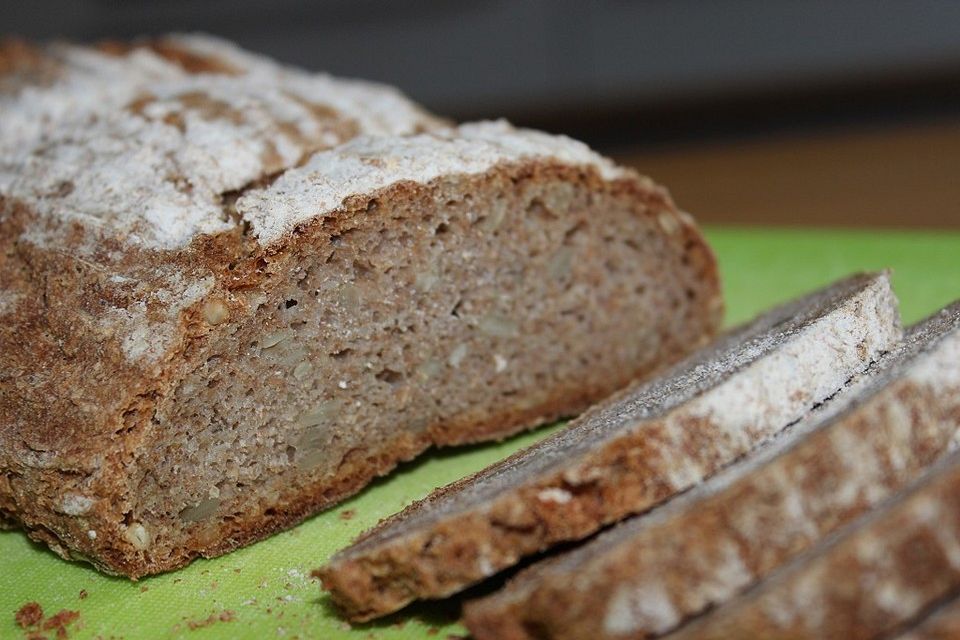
[73,406]
[189,61]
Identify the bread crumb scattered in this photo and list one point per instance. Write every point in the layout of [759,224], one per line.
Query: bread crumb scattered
[29,615]
[59,622]
[83,594]
[347,514]
[223,616]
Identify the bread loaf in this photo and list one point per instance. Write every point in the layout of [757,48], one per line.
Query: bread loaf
[212,328]
[648,575]
[624,456]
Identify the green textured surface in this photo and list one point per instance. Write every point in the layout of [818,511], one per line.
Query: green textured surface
[267,586]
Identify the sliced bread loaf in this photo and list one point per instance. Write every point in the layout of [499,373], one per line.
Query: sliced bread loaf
[867,581]
[652,572]
[209,333]
[625,455]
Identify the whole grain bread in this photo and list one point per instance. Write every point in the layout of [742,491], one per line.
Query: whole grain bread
[213,328]
[649,574]
[868,580]
[625,455]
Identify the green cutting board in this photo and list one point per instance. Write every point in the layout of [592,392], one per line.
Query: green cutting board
[266,589]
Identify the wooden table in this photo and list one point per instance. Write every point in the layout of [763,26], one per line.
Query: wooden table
[904,176]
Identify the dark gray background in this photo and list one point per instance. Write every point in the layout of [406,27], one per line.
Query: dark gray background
[608,70]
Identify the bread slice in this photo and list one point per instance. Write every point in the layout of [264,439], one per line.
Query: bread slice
[867,581]
[627,454]
[942,622]
[649,574]
[210,332]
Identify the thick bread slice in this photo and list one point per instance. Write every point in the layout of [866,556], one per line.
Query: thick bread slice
[625,455]
[867,581]
[650,573]
[940,623]
[208,333]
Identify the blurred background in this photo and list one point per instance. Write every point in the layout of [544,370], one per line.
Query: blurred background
[816,112]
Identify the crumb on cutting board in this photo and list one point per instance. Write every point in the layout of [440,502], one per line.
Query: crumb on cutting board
[60,621]
[30,617]
[224,616]
[347,514]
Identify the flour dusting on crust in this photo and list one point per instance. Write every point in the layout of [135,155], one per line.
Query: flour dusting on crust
[369,164]
[138,147]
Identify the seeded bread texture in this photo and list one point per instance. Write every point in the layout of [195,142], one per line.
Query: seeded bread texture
[624,456]
[648,575]
[212,330]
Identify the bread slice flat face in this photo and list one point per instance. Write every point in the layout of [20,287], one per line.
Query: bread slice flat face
[625,455]
[646,576]
[211,332]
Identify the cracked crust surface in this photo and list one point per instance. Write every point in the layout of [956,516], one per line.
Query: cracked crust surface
[125,255]
[623,456]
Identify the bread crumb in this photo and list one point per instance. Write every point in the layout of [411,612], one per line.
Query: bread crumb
[29,615]
[432,631]
[347,514]
[224,616]
[144,589]
[215,312]
[83,594]
[59,621]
